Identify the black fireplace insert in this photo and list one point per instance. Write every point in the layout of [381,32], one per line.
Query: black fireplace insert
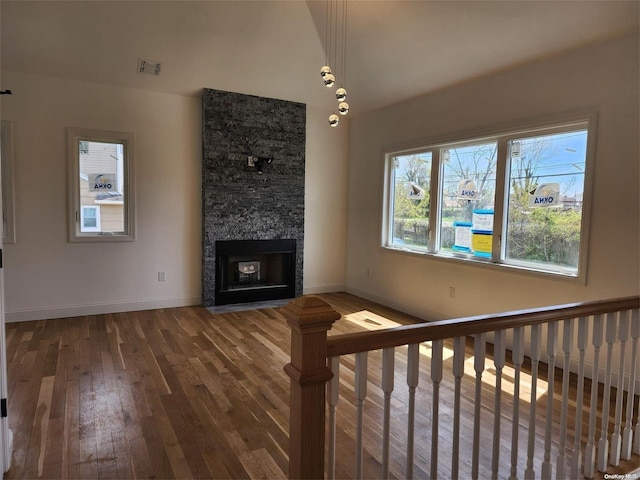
[254,270]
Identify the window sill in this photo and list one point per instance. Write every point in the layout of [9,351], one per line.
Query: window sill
[101,237]
[462,259]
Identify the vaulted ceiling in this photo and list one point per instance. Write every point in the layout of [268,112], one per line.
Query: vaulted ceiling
[396,49]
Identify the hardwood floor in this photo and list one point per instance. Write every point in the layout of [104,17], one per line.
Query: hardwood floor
[184,393]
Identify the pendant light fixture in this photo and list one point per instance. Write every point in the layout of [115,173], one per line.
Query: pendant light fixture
[331,47]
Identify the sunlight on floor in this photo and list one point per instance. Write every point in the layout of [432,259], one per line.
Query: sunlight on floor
[371,321]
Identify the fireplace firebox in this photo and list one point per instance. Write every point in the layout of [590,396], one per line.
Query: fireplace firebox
[254,270]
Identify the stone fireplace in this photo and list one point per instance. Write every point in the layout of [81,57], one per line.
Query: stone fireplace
[252,198]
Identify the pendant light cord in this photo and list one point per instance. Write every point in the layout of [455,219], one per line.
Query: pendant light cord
[344,42]
[335,59]
[326,34]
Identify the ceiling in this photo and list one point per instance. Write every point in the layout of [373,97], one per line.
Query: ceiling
[396,49]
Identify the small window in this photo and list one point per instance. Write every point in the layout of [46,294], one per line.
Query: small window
[100,186]
[89,219]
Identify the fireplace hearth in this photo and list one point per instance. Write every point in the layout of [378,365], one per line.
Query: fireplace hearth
[254,270]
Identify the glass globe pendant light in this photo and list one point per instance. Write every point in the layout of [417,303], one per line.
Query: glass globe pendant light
[334,120]
[343,108]
[329,80]
[341,94]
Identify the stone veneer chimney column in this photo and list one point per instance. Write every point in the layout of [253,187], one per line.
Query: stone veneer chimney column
[238,202]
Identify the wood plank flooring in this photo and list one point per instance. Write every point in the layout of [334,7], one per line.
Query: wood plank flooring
[185,393]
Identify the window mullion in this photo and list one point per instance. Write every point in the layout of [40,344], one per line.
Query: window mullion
[434,208]
[389,206]
[501,200]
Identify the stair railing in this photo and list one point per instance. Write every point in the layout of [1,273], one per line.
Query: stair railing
[315,380]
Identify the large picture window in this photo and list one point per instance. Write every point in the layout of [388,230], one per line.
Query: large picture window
[516,199]
[100,185]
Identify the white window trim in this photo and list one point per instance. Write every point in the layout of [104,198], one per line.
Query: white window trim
[8,213]
[74,136]
[500,134]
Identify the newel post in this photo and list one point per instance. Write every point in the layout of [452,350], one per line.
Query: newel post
[310,318]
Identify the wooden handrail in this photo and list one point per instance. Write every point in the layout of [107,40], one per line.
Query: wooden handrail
[349,343]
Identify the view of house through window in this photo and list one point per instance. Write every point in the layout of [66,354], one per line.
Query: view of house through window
[100,169]
[444,199]
[100,181]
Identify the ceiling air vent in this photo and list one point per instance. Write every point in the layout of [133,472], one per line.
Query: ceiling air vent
[150,68]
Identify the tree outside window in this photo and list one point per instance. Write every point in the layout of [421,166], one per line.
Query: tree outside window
[411,205]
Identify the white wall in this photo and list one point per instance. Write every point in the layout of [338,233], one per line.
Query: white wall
[601,77]
[47,277]
[325,204]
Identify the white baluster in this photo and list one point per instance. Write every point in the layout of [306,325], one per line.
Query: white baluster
[627,436]
[529,473]
[479,352]
[458,372]
[498,361]
[388,360]
[413,369]
[436,378]
[603,443]
[590,449]
[361,394]
[552,334]
[567,348]
[517,357]
[616,436]
[576,457]
[332,398]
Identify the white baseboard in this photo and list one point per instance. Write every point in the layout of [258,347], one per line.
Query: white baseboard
[316,289]
[64,311]
[98,308]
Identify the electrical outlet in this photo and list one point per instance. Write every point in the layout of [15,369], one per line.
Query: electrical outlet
[452,292]
[161,276]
